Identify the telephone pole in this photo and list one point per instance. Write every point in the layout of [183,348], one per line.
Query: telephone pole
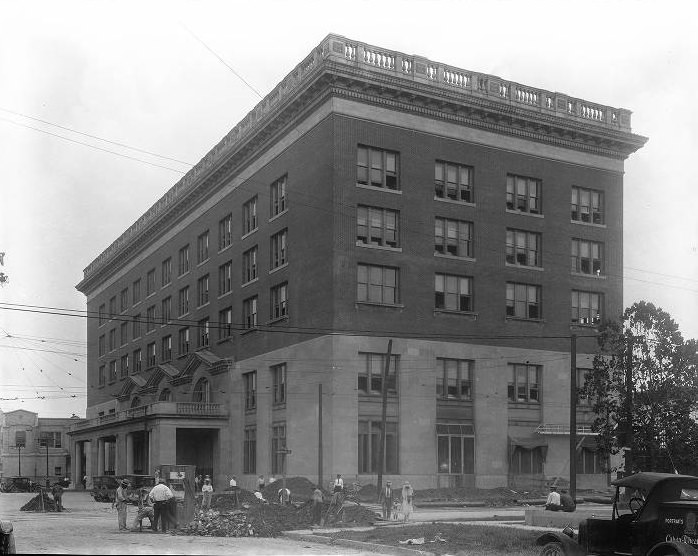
[384,415]
[629,388]
[573,416]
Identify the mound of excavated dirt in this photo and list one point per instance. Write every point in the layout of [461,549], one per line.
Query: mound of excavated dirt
[34,505]
[300,487]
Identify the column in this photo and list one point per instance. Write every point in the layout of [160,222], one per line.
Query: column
[77,471]
[100,456]
[89,470]
[129,453]
[118,452]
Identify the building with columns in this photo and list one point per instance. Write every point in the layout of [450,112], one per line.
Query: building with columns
[243,323]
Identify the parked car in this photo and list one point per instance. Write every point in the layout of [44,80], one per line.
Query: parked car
[19,484]
[654,514]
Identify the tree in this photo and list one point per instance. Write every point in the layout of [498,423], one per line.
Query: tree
[660,406]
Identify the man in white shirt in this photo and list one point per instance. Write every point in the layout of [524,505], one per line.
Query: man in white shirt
[160,494]
[553,501]
[337,488]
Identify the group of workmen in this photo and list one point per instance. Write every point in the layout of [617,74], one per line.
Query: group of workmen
[559,501]
[157,504]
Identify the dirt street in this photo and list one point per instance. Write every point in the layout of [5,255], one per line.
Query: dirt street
[89,527]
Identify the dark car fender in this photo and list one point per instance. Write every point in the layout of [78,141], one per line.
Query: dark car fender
[571,546]
[681,548]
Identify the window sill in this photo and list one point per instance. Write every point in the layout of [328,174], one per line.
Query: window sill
[276,320]
[203,305]
[250,282]
[379,247]
[454,257]
[183,355]
[226,294]
[383,189]
[385,305]
[248,234]
[202,347]
[249,330]
[472,315]
[279,406]
[224,340]
[280,267]
[523,319]
[454,201]
[591,224]
[166,285]
[276,216]
[202,262]
[524,266]
[581,326]
[250,410]
[524,405]
[183,274]
[593,276]
[522,213]
[226,248]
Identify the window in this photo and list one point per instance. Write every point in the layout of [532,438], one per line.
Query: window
[166,348]
[225,323]
[57,471]
[202,248]
[249,460]
[370,379]
[589,461]
[279,301]
[202,391]
[249,265]
[453,293]
[249,312]
[203,325]
[136,291]
[527,462]
[101,343]
[279,253]
[278,443]
[454,380]
[586,307]
[150,319]
[455,448]
[50,439]
[278,379]
[250,384]
[137,361]
[166,271]
[523,301]
[124,333]
[377,284]
[123,302]
[225,278]
[249,216]
[112,339]
[587,257]
[523,248]
[183,267]
[184,301]
[225,232]
[581,383]
[453,237]
[136,326]
[453,181]
[102,375]
[165,310]
[112,371]
[102,314]
[369,447]
[150,354]
[524,194]
[377,226]
[183,341]
[124,366]
[277,197]
[112,307]
[165,395]
[587,205]
[20,438]
[202,291]
[377,168]
[150,283]
[524,383]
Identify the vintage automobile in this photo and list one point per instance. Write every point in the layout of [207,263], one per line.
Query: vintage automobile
[19,484]
[654,514]
[104,487]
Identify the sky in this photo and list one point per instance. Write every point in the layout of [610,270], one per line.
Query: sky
[172,78]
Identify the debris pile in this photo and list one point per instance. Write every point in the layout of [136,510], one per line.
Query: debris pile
[300,487]
[35,505]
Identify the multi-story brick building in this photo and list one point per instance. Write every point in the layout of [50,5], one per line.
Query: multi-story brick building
[370,196]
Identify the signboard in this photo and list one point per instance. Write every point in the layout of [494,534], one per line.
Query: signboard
[177,475]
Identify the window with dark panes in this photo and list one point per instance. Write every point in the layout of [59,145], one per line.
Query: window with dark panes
[278,301]
[124,366]
[20,438]
[455,448]
[183,301]
[166,310]
[225,323]
[112,371]
[453,237]
[136,291]
[136,326]
[249,463]
[453,293]
[202,248]
[112,307]
[184,342]
[587,205]
[123,302]
[454,379]
[225,278]
[377,226]
[524,194]
[523,248]
[586,307]
[150,283]
[183,266]
[377,168]
[277,197]
[124,333]
[368,448]
[249,216]
[453,181]
[587,256]
[202,291]
[249,265]
[102,314]
[278,443]
[151,355]
[202,391]
[370,378]
[166,348]
[102,375]
[225,232]
[523,301]
[249,312]
[166,276]
[150,318]
[112,339]
[250,385]
[137,361]
[203,327]
[526,461]
[278,251]
[524,383]
[102,345]
[377,284]
[278,376]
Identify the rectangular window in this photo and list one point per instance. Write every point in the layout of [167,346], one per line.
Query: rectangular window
[278,301]
[527,462]
[225,232]
[112,339]
[102,345]
[250,384]
[57,471]
[20,438]
[249,463]
[166,349]
[586,307]
[524,301]
[112,371]
[589,462]
[166,271]
[123,303]
[523,248]
[202,248]
[587,257]
[279,253]
[50,439]
[166,310]
[150,319]
[249,216]
[183,301]
[278,444]
[202,291]
[249,312]
[377,226]
[136,326]
[183,341]
[524,383]
[369,447]
[124,366]
[136,291]
[453,181]
[377,284]
[524,194]
[183,267]
[124,333]
[455,448]
[278,378]
[225,278]
[150,283]
[377,168]
[102,375]
[151,355]
[454,379]
[587,205]
[453,237]
[277,197]
[102,314]
[203,333]
[112,307]
[370,378]
[453,293]
[249,265]
[137,361]
[225,323]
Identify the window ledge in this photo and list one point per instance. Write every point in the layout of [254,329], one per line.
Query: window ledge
[280,267]
[202,263]
[226,248]
[524,405]
[522,213]
[591,224]
[183,355]
[226,294]
[203,305]
[384,189]
[379,247]
[182,275]
[524,266]
[248,234]
[166,285]
[523,319]
[593,276]
[249,330]
[224,340]
[278,215]
[580,326]
[375,304]
[250,410]
[276,320]
[454,201]
[250,282]
[279,406]
[472,315]
[454,257]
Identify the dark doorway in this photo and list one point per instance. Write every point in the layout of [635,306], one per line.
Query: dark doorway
[197,447]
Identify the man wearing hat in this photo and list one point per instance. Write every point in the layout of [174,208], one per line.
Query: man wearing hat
[207,491]
[386,499]
[120,503]
[160,494]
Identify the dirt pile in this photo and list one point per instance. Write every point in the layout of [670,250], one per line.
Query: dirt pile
[226,501]
[300,487]
[35,505]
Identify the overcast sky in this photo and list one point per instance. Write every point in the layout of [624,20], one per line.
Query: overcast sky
[136,74]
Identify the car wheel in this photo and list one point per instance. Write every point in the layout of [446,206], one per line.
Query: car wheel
[552,549]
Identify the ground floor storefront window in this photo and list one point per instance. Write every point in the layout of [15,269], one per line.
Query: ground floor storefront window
[455,449]
[369,447]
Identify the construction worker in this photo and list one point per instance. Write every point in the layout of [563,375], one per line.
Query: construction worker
[284,495]
[317,505]
[161,494]
[120,503]
[207,491]
[337,488]
[144,510]
[386,499]
[57,492]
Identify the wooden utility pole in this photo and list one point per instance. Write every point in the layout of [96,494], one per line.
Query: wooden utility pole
[573,416]
[629,388]
[319,435]
[384,415]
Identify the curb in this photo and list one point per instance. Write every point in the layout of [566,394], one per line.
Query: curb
[367,546]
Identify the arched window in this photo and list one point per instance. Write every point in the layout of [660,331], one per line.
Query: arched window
[202,391]
[165,395]
[136,402]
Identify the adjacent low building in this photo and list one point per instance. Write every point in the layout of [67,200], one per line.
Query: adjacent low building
[244,322]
